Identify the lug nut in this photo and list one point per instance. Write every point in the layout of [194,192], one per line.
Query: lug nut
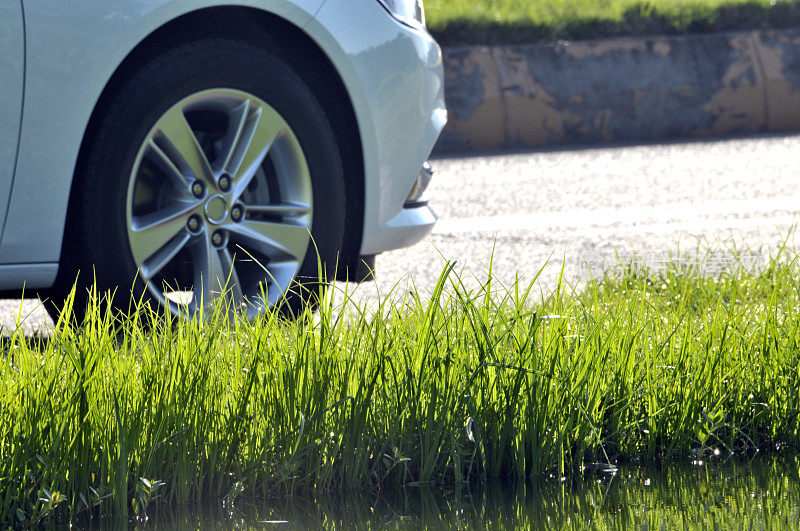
[237,213]
[198,189]
[194,224]
[218,238]
[224,183]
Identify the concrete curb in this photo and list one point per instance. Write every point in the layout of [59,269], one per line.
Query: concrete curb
[621,90]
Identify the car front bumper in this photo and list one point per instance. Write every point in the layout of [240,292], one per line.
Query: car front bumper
[394,76]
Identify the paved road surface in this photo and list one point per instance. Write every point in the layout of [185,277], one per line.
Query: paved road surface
[586,206]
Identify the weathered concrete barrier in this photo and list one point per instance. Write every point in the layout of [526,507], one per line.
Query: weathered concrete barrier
[621,90]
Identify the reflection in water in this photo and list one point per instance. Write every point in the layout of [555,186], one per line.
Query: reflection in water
[764,494]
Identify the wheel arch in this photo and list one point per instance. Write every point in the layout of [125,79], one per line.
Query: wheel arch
[296,48]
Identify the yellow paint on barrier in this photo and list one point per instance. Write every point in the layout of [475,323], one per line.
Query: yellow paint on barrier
[739,106]
[531,114]
[783,98]
[484,128]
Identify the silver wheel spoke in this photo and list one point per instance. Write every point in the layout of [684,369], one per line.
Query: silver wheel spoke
[280,275]
[149,234]
[261,128]
[279,241]
[166,165]
[162,257]
[238,121]
[182,146]
[296,209]
[214,275]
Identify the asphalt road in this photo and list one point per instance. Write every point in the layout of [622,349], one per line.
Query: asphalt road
[586,209]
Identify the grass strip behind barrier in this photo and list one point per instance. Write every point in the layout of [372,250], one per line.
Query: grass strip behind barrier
[465,386]
[455,22]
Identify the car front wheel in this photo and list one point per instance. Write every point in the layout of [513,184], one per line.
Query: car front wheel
[214,176]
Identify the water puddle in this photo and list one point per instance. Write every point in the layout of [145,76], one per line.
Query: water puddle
[760,494]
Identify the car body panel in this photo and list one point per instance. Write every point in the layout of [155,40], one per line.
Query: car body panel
[19,276]
[62,52]
[394,76]
[12,63]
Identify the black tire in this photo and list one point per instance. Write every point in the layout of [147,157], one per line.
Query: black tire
[96,247]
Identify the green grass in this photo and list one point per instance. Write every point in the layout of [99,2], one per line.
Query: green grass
[518,21]
[463,386]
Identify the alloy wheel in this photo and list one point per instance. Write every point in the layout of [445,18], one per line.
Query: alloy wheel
[219,204]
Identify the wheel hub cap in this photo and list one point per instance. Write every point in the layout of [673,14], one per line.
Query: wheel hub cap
[216,210]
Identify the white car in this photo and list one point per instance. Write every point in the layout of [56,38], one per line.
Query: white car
[186,146]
